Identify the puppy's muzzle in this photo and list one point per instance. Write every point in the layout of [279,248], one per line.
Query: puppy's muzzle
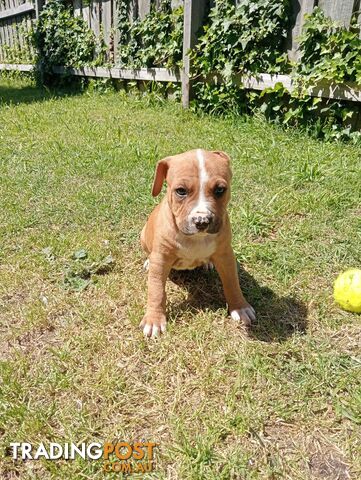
[202,222]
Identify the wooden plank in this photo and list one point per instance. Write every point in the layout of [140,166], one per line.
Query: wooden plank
[17,30]
[38,7]
[1,42]
[14,11]
[114,40]
[11,24]
[20,68]
[133,10]
[143,8]
[348,91]
[107,20]
[11,31]
[193,18]
[176,3]
[86,14]
[94,10]
[299,8]
[77,5]
[341,11]
[150,74]
[6,30]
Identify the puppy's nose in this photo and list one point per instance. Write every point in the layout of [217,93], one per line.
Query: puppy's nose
[202,221]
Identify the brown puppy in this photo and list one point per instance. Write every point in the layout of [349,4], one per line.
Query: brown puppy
[190,228]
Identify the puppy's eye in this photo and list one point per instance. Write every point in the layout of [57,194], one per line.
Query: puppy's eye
[219,191]
[181,192]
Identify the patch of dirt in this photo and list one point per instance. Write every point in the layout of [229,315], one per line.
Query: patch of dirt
[329,466]
[32,343]
[347,339]
[321,457]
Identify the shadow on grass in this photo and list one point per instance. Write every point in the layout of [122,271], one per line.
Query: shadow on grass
[277,317]
[27,93]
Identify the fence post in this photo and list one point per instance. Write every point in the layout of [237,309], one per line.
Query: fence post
[193,19]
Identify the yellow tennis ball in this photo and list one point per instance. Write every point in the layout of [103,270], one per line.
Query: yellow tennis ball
[347,290]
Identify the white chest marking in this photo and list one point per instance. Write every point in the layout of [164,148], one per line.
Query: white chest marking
[194,251]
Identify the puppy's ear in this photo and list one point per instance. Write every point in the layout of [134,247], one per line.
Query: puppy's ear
[222,155]
[160,175]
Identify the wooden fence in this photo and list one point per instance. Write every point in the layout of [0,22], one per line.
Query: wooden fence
[16,17]
[101,16]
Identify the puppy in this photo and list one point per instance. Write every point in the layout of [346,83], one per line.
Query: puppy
[189,228]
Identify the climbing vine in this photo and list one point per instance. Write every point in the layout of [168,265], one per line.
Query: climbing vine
[328,52]
[60,38]
[248,39]
[154,41]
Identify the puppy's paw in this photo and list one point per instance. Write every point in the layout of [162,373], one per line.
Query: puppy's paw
[146,265]
[208,267]
[153,324]
[245,314]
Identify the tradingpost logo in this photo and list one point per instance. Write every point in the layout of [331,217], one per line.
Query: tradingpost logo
[123,457]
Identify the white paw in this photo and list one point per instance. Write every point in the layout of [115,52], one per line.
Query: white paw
[246,314]
[208,266]
[153,331]
[146,265]
[153,327]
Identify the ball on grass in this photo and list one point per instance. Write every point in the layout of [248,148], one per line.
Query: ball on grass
[347,290]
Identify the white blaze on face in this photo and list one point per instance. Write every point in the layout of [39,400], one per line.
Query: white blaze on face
[202,206]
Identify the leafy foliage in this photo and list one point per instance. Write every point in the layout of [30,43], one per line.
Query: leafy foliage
[236,40]
[248,37]
[322,118]
[153,41]
[329,51]
[78,276]
[60,38]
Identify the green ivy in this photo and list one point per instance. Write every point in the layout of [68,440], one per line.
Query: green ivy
[322,118]
[155,41]
[246,38]
[60,38]
[243,39]
[329,51]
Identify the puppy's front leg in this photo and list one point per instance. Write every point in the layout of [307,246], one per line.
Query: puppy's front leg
[226,266]
[154,320]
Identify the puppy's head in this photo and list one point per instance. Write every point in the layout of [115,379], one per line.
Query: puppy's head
[198,189]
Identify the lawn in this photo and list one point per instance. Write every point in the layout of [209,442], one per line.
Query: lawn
[281,401]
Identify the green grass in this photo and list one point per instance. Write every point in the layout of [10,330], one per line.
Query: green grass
[280,402]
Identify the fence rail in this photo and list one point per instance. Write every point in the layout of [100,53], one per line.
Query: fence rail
[347,91]
[15,11]
[102,17]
